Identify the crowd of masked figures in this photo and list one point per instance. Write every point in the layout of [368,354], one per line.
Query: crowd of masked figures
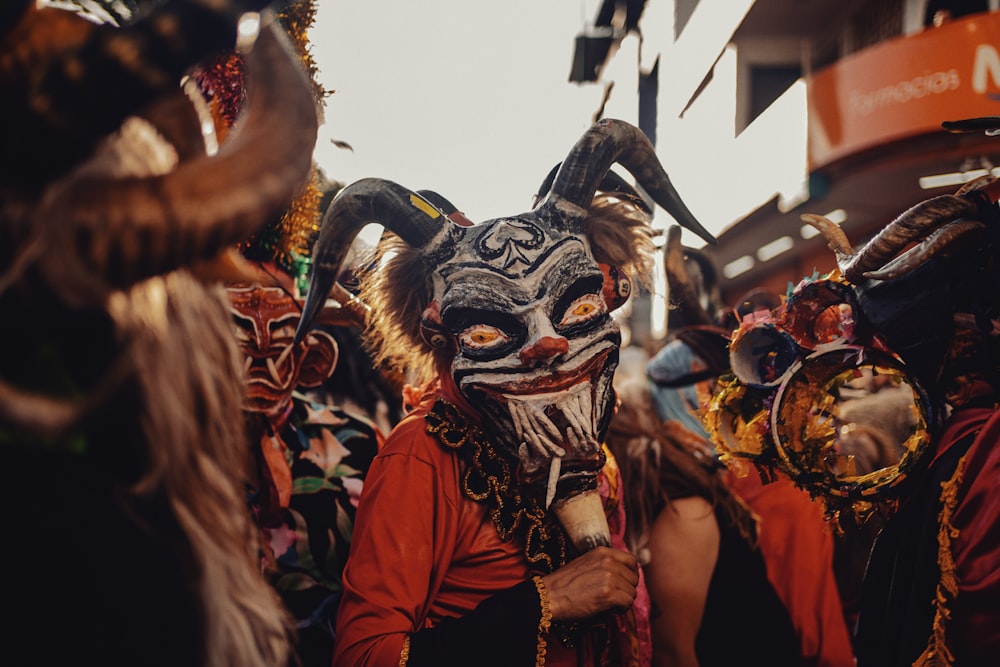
[190,398]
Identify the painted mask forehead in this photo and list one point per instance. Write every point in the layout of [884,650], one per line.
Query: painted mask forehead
[513,247]
[262,308]
[477,284]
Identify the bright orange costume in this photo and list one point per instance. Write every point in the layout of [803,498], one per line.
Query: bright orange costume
[504,477]
[423,552]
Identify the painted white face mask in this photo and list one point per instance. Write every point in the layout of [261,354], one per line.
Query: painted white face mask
[523,306]
[535,346]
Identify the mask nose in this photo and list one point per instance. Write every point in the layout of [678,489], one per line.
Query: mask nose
[543,350]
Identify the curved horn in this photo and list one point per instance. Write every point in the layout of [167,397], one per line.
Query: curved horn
[914,223]
[611,182]
[446,207]
[546,185]
[835,237]
[975,185]
[878,259]
[81,80]
[371,200]
[941,238]
[607,142]
[990,125]
[126,230]
[681,292]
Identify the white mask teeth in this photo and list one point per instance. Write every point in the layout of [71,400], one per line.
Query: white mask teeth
[272,369]
[274,364]
[285,354]
[578,432]
[588,409]
[550,487]
[539,432]
[579,413]
[534,428]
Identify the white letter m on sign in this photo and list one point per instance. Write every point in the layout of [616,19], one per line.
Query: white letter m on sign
[987,63]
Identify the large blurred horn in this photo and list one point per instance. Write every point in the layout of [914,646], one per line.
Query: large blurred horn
[68,82]
[402,211]
[125,230]
[605,143]
[683,295]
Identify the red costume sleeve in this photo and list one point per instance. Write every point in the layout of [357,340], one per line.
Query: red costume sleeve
[405,517]
[425,556]
[976,548]
[422,556]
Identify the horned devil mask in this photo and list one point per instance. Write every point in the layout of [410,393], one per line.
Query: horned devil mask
[521,308]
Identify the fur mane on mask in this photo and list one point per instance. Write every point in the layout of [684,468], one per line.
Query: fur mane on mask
[400,288]
[121,379]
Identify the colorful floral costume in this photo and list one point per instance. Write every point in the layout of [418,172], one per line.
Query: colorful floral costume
[307,538]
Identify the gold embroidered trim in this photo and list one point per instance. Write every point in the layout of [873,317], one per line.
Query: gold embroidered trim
[937,653]
[404,655]
[489,479]
[544,622]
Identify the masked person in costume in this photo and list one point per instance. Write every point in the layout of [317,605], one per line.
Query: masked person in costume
[121,386]
[917,307]
[310,456]
[483,534]
[788,531]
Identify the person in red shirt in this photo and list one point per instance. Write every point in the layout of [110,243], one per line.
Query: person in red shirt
[489,531]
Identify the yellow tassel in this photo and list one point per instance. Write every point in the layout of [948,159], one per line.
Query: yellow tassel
[937,653]
[404,655]
[544,623]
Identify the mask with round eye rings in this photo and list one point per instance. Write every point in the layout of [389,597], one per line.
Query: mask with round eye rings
[583,309]
[534,350]
[836,411]
[482,338]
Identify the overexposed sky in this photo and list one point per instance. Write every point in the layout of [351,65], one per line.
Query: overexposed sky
[470,98]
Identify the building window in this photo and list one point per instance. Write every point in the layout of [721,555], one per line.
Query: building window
[875,22]
[939,11]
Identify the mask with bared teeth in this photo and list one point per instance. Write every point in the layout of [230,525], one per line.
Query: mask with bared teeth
[519,310]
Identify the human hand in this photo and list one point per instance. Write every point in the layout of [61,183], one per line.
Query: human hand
[603,579]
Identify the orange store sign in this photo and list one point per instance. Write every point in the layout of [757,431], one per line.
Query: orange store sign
[904,87]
